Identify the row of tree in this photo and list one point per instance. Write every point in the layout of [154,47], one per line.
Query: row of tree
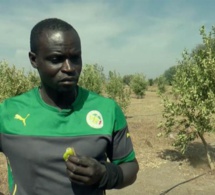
[15,81]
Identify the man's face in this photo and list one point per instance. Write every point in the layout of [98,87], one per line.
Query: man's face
[58,60]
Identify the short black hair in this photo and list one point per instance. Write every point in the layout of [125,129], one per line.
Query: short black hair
[47,24]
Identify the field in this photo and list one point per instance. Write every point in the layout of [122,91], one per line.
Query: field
[162,168]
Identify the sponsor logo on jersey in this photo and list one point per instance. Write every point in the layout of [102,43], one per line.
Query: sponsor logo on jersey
[18,117]
[94,119]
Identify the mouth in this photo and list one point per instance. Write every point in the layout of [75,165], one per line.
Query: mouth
[69,80]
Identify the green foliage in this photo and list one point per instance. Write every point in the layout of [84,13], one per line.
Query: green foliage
[190,110]
[151,82]
[139,85]
[161,83]
[127,79]
[92,78]
[169,74]
[117,90]
[15,82]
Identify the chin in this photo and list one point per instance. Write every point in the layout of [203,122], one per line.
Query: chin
[66,89]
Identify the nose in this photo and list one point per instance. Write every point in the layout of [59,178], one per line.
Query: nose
[67,66]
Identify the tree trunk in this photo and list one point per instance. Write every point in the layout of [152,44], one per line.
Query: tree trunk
[211,164]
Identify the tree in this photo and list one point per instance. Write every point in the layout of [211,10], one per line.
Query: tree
[139,85]
[190,111]
[92,78]
[127,79]
[161,83]
[151,82]
[14,81]
[117,90]
[169,74]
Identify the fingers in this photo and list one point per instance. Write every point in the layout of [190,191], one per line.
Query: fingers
[79,170]
[79,179]
[84,170]
[79,174]
[82,161]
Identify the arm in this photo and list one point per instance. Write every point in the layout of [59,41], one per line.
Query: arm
[122,149]
[106,175]
[129,170]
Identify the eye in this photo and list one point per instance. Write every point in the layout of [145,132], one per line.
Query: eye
[75,58]
[56,59]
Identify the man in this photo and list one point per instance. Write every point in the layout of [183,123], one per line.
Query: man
[38,126]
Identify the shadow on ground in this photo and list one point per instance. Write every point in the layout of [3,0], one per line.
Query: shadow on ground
[195,154]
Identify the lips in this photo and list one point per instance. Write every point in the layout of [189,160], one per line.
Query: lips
[69,80]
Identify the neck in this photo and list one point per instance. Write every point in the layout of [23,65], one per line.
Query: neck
[62,100]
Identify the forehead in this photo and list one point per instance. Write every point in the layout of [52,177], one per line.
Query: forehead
[51,37]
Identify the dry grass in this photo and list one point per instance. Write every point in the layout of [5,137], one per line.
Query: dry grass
[144,115]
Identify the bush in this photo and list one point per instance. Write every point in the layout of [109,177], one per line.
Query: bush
[161,82]
[15,82]
[92,78]
[117,90]
[127,79]
[139,85]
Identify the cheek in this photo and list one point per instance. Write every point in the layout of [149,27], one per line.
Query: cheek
[48,75]
[79,69]
[49,70]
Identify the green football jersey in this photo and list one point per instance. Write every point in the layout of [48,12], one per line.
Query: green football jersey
[35,135]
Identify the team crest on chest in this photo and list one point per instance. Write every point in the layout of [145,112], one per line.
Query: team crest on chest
[94,119]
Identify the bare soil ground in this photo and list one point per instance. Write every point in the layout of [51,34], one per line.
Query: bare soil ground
[163,170]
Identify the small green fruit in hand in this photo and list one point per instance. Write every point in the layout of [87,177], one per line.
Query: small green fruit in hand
[68,152]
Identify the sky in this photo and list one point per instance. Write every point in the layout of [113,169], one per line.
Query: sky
[126,36]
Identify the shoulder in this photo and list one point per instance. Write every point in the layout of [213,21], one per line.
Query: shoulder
[97,98]
[23,98]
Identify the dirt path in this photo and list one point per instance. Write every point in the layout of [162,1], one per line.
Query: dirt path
[154,181]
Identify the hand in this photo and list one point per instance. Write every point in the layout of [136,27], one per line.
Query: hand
[84,170]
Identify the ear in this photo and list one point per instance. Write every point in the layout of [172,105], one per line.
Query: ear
[32,58]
